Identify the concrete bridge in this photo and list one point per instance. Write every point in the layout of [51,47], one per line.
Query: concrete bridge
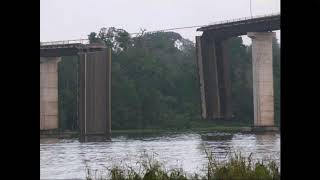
[213,67]
[95,87]
[213,70]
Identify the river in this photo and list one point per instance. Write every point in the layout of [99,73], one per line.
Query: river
[67,159]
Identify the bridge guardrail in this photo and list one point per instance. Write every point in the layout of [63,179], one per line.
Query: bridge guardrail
[86,41]
[244,18]
[75,41]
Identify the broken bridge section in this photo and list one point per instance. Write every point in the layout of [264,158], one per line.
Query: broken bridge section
[95,88]
[213,67]
[95,95]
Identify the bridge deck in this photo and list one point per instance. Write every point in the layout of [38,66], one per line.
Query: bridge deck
[241,26]
[68,49]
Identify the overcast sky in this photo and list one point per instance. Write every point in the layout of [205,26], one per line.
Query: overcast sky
[75,19]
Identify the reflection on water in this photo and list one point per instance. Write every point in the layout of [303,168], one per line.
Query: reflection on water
[68,158]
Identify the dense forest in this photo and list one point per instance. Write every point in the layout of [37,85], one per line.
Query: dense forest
[155,82]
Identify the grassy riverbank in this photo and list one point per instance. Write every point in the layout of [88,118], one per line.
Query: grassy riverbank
[177,130]
[237,167]
[199,126]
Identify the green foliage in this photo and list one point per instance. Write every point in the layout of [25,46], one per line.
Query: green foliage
[68,91]
[92,37]
[155,84]
[241,80]
[236,167]
[150,169]
[239,167]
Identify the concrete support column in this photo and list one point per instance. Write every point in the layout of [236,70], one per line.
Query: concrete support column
[201,78]
[214,78]
[224,78]
[95,96]
[210,77]
[49,93]
[262,78]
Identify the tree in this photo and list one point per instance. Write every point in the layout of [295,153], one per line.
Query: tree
[155,84]
[92,37]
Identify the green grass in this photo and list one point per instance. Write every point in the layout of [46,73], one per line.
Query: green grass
[237,167]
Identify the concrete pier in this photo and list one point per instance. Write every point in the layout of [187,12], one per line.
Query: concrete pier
[262,78]
[49,93]
[214,78]
[224,78]
[94,90]
[201,78]
[95,96]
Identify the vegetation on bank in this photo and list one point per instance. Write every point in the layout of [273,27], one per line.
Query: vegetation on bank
[177,130]
[155,82]
[236,167]
[197,126]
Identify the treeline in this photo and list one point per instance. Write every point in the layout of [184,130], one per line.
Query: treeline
[155,82]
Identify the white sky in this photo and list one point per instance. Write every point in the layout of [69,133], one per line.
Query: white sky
[75,19]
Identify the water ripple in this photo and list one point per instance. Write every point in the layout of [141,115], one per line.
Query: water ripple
[67,159]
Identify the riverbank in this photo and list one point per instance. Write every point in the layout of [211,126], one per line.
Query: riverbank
[58,134]
[225,129]
[236,167]
[231,129]
[200,126]
[204,130]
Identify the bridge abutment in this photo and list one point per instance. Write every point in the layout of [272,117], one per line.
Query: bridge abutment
[49,93]
[262,78]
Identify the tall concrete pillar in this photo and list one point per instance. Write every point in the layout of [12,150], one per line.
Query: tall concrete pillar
[213,73]
[224,78]
[201,77]
[210,77]
[95,96]
[262,78]
[49,93]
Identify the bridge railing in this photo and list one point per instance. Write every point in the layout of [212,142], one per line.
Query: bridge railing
[86,41]
[243,18]
[75,41]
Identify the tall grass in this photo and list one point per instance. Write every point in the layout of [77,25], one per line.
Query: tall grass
[239,167]
[235,168]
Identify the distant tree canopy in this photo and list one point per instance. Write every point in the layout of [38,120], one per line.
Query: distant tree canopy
[92,36]
[155,82]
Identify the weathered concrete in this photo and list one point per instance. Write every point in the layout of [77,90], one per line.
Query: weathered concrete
[224,78]
[262,78]
[213,73]
[95,95]
[238,27]
[49,93]
[201,78]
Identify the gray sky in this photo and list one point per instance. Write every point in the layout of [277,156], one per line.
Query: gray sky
[75,19]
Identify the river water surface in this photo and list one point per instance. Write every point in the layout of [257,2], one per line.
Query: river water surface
[67,159]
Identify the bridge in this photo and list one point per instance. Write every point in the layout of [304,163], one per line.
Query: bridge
[240,26]
[94,82]
[213,67]
[213,71]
